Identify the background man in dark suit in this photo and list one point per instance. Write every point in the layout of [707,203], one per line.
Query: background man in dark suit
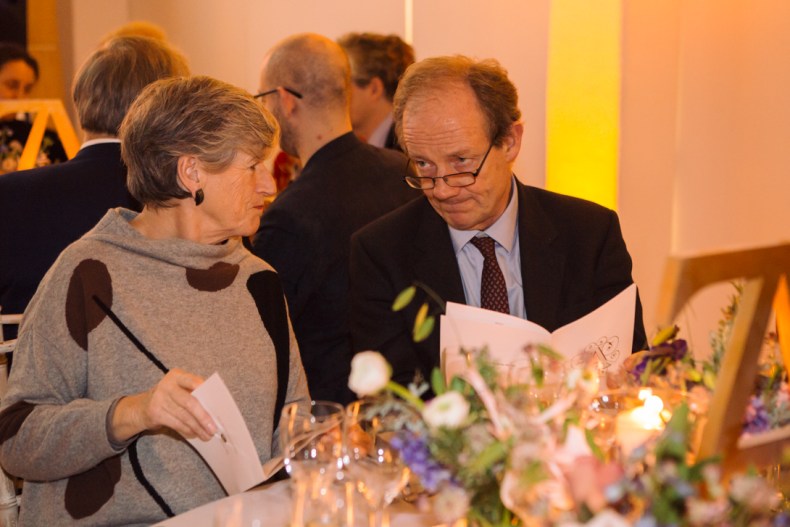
[43,210]
[377,64]
[560,257]
[345,184]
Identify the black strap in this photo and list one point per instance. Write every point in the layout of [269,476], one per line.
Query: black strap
[267,291]
[126,331]
[138,472]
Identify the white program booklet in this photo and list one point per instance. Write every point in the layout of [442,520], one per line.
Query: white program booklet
[607,332]
[230,453]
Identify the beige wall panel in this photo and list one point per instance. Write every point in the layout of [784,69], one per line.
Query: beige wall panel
[650,48]
[513,32]
[228,39]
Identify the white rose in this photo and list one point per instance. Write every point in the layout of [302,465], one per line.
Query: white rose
[370,373]
[450,504]
[449,410]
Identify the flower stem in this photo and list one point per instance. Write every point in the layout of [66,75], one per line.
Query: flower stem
[405,394]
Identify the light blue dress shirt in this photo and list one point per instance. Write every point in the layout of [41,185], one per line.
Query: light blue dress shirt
[470,262]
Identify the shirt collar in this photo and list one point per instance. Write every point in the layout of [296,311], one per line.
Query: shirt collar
[379,135]
[101,141]
[503,230]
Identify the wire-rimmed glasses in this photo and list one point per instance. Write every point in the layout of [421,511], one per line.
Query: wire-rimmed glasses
[459,179]
[274,90]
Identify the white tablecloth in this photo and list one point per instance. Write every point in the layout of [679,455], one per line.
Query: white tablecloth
[271,506]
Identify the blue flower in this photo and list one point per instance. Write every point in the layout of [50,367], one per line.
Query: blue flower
[757,418]
[414,451]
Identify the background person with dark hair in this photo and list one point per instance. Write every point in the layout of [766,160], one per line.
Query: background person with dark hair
[377,64]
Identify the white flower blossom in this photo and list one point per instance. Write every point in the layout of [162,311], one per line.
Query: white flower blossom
[753,492]
[449,410]
[370,373]
[450,504]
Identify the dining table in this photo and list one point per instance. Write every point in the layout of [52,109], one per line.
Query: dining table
[269,505]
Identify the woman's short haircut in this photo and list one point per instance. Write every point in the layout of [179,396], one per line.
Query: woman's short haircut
[114,75]
[197,116]
[10,52]
[496,95]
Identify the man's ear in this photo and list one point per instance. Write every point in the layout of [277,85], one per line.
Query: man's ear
[287,100]
[376,88]
[188,176]
[511,144]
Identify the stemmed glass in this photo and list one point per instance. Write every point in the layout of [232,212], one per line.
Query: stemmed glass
[312,445]
[372,463]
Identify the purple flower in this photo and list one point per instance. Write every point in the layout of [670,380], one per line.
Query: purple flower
[757,418]
[414,451]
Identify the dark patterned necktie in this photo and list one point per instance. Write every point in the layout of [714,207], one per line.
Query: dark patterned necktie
[493,291]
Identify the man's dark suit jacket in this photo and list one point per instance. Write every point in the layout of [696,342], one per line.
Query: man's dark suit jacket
[392,140]
[43,210]
[305,235]
[573,259]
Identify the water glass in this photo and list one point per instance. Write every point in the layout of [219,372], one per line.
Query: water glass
[312,444]
[373,464]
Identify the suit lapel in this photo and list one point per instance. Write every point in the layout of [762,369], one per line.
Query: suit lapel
[542,265]
[434,258]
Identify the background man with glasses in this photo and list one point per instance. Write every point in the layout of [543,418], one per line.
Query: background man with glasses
[345,184]
[478,236]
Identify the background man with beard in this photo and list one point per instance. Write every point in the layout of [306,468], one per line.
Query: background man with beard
[345,184]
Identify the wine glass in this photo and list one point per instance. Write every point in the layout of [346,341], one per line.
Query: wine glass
[373,464]
[312,444]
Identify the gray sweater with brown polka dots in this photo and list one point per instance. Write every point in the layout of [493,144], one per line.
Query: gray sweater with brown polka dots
[201,308]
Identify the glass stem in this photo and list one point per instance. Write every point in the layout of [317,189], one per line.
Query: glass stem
[379,517]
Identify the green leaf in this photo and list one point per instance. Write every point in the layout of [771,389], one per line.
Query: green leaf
[533,473]
[549,352]
[538,374]
[588,434]
[709,379]
[404,298]
[437,382]
[665,335]
[424,331]
[490,455]
[422,313]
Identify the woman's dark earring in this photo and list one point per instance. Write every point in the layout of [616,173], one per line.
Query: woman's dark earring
[199,197]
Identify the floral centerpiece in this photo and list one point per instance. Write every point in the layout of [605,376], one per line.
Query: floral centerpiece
[670,364]
[532,448]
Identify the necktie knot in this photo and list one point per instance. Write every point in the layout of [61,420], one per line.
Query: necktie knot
[493,290]
[486,245]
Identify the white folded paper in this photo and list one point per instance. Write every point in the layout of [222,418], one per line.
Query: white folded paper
[607,332]
[230,453]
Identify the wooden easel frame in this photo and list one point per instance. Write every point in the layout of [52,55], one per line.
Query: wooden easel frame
[43,108]
[764,272]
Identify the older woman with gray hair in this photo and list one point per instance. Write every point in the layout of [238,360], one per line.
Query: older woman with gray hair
[134,316]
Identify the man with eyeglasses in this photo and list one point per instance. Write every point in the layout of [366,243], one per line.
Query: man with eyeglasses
[479,236]
[344,184]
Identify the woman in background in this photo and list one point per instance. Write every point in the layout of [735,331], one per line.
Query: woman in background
[18,75]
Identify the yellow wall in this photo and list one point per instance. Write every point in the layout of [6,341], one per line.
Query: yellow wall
[583,99]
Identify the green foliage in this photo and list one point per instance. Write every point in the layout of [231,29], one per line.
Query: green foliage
[438,383]
[404,298]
